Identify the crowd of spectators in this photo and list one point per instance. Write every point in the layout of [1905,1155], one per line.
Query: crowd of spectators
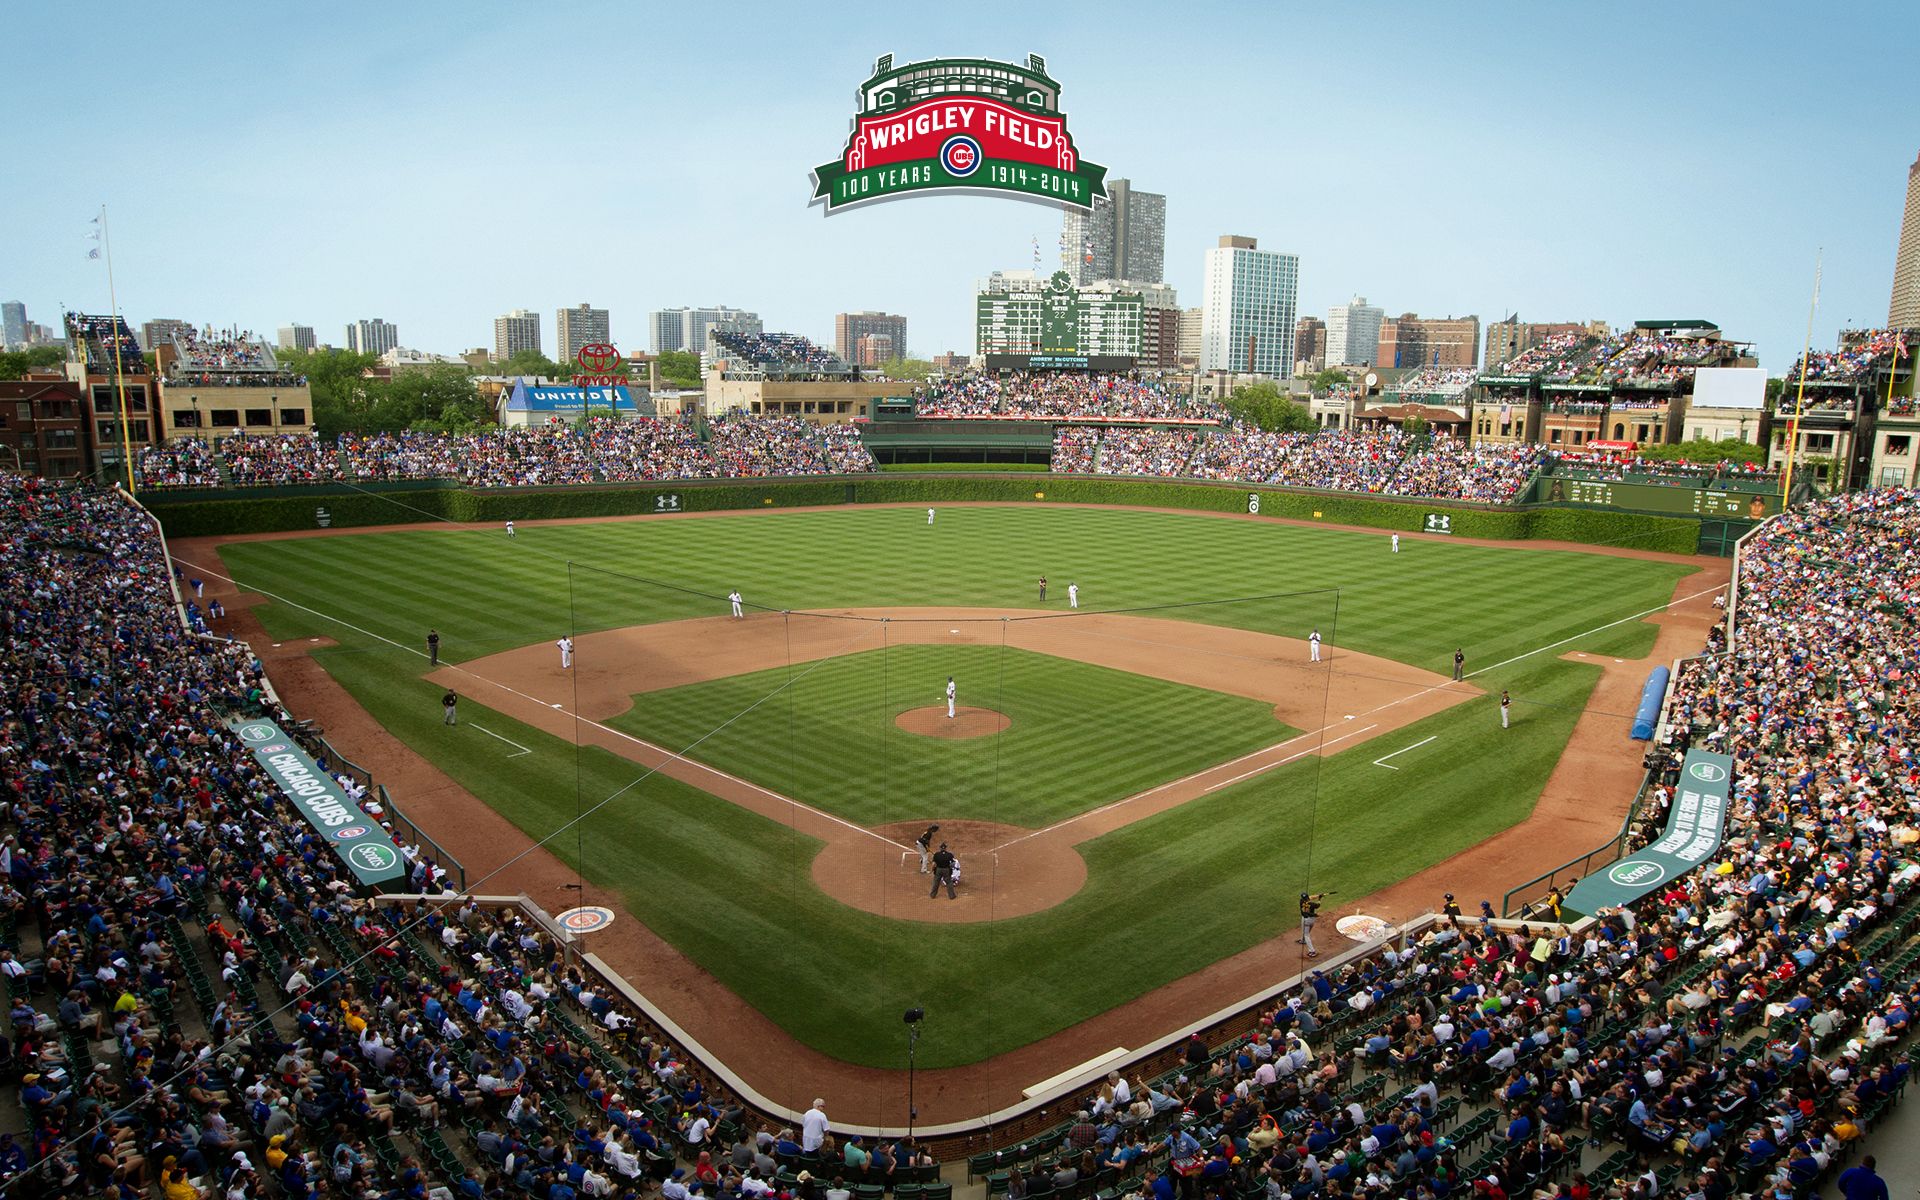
[1450,468]
[104,339]
[604,451]
[1059,395]
[1075,448]
[1556,358]
[1870,349]
[788,350]
[183,462]
[1434,381]
[1381,462]
[1616,467]
[1134,450]
[636,451]
[228,350]
[751,446]
[285,458]
[1737,1032]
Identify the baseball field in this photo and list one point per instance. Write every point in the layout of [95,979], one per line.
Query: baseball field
[1137,790]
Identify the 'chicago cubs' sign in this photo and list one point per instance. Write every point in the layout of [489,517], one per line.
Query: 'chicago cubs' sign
[960,124]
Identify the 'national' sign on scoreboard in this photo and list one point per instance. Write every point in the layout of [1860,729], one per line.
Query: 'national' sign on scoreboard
[959,124]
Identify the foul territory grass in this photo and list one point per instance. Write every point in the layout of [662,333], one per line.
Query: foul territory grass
[1164,897]
[1080,736]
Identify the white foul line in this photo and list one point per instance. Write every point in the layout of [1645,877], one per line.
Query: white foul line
[1261,770]
[509,741]
[1382,760]
[607,729]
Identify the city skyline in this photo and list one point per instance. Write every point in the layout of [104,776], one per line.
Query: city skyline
[1574,111]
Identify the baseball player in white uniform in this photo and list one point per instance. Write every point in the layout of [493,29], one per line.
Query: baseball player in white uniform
[510,532]
[1073,595]
[951,693]
[929,516]
[566,652]
[1313,646]
[733,598]
[1396,543]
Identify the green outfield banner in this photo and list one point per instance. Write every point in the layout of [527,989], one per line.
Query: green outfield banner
[1654,497]
[357,838]
[1694,826]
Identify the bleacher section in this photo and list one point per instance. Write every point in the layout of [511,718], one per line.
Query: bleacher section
[202,999]
[98,337]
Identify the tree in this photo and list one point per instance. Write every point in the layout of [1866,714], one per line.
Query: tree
[909,369]
[1418,432]
[1327,379]
[1700,450]
[1776,387]
[531,362]
[681,368]
[14,364]
[1264,406]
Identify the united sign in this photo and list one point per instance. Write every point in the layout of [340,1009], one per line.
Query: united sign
[959,124]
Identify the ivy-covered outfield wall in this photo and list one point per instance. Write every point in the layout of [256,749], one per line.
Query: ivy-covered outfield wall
[192,514]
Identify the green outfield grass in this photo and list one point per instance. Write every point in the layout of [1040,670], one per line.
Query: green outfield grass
[1164,897]
[1081,735]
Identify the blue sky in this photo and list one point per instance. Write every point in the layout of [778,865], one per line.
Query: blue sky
[438,165]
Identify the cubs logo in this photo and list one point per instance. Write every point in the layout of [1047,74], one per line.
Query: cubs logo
[960,156]
[349,833]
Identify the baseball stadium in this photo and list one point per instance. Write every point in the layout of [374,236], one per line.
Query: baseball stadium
[1114,764]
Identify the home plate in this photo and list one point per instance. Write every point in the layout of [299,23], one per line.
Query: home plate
[953,631]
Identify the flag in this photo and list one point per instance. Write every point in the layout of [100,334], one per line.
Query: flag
[94,253]
[95,221]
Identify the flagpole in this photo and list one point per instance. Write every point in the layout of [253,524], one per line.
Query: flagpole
[119,375]
[1800,400]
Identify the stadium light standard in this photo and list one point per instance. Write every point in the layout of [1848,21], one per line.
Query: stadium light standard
[912,1017]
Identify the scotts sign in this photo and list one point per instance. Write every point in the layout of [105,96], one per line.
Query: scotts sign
[597,361]
[362,845]
[1695,823]
[959,124]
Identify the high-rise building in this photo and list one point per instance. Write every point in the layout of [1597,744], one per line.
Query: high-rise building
[1353,333]
[1509,339]
[159,331]
[1903,312]
[1123,237]
[296,337]
[686,328]
[696,323]
[849,328]
[372,336]
[1408,341]
[666,329]
[1189,349]
[580,326]
[1310,342]
[516,331]
[13,324]
[872,349]
[1251,298]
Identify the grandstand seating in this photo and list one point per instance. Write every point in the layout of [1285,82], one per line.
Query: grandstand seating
[541,455]
[200,1000]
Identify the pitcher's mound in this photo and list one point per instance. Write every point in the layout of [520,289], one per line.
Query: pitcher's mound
[933,721]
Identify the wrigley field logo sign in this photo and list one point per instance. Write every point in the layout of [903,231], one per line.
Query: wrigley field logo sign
[959,125]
